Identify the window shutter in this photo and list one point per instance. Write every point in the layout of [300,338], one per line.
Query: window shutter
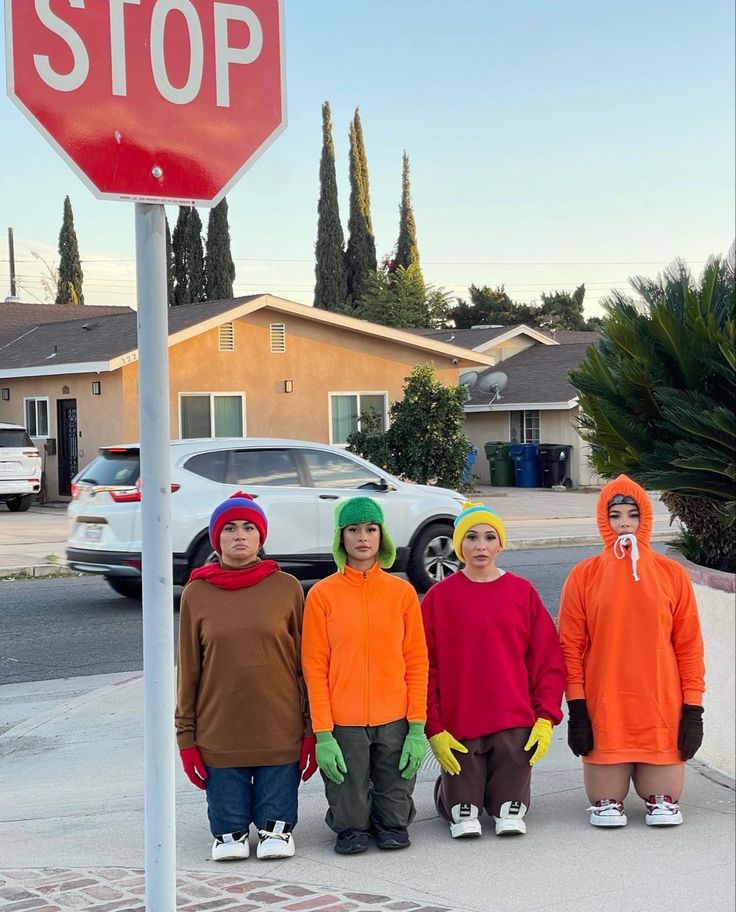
[226,337]
[277,337]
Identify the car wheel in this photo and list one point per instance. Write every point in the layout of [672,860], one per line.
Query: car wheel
[19,504]
[432,557]
[124,585]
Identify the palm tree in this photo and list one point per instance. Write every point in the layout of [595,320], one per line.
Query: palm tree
[657,398]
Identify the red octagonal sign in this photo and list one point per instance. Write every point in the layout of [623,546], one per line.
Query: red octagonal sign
[161,101]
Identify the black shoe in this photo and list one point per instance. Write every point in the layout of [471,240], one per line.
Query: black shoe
[391,837]
[352,842]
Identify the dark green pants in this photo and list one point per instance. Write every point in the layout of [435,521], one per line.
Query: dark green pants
[373,789]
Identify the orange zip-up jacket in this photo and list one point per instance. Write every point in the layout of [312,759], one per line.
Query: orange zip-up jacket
[364,655]
[633,649]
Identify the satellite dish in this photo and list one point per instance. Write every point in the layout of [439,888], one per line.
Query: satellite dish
[493,382]
[469,378]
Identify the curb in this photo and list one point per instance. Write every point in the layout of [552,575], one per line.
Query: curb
[36,571]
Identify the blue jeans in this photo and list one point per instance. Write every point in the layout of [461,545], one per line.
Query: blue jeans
[241,795]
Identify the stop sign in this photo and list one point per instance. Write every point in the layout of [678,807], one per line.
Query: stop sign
[159,101]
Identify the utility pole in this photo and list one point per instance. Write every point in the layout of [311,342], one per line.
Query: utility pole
[11,252]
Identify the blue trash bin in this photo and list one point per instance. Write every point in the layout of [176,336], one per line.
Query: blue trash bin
[469,463]
[526,464]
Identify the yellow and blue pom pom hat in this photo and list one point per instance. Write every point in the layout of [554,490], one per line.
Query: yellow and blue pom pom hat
[475,514]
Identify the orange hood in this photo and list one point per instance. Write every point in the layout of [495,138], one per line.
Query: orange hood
[624,485]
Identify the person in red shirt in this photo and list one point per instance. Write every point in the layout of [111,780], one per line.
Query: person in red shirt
[496,680]
[635,673]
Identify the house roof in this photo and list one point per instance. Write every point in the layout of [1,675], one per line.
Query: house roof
[537,378]
[486,338]
[108,341]
[574,336]
[17,317]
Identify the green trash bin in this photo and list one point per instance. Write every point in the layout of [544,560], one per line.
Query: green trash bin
[491,448]
[503,474]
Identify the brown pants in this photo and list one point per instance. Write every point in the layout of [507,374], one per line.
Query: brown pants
[494,770]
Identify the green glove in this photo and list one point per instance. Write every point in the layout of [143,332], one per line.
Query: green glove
[541,737]
[329,757]
[413,751]
[443,744]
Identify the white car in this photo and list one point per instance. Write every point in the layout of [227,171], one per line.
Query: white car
[296,482]
[20,467]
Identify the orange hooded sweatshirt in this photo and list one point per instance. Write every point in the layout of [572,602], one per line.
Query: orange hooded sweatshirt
[633,648]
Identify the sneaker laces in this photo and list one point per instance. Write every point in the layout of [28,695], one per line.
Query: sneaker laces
[269,834]
[663,803]
[620,548]
[607,805]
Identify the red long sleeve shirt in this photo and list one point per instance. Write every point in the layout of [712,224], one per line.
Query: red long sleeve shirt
[495,660]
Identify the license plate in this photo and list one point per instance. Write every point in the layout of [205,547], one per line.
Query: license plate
[93,532]
[9,467]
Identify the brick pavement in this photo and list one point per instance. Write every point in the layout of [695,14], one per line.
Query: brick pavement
[123,890]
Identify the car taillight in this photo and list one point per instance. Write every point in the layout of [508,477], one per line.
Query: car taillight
[75,492]
[134,495]
[126,495]
[30,453]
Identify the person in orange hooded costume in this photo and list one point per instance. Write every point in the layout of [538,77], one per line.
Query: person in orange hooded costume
[634,655]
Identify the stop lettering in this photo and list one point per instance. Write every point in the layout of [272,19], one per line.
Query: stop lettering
[151,100]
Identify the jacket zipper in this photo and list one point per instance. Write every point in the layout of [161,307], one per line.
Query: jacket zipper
[367,623]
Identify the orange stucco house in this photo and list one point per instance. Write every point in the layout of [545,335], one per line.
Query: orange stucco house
[257,366]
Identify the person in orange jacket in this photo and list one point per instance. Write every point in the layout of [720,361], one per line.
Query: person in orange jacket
[635,674]
[365,663]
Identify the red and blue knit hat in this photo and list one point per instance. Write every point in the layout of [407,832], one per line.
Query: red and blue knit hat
[239,506]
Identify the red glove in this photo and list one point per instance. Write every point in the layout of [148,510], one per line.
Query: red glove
[308,758]
[193,766]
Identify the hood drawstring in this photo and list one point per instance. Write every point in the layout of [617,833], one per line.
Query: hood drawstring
[619,549]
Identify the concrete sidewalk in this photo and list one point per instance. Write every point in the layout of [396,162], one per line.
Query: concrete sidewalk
[34,543]
[72,825]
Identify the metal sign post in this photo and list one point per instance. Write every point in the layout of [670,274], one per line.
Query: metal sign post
[158,612]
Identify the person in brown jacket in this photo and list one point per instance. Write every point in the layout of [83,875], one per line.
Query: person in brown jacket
[242,723]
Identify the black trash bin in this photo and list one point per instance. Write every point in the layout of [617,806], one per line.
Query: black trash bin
[554,464]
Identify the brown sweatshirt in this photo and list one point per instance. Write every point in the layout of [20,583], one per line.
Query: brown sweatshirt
[241,697]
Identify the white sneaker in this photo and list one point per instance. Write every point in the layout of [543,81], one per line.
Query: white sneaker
[662,811]
[465,821]
[276,841]
[511,818]
[607,813]
[230,847]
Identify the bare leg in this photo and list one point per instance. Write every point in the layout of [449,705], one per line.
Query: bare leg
[650,779]
[607,780]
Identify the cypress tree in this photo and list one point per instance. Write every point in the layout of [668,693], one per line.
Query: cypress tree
[407,251]
[361,250]
[330,289]
[169,265]
[195,257]
[219,269]
[69,286]
[182,289]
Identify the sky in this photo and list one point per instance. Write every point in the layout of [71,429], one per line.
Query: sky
[550,144]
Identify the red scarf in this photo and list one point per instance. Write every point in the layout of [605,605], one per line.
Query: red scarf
[223,578]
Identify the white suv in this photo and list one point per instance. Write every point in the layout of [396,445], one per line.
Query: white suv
[20,467]
[298,485]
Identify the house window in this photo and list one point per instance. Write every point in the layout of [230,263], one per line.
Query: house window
[37,417]
[226,337]
[346,409]
[524,426]
[277,337]
[211,415]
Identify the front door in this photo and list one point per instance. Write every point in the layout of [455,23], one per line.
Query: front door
[68,452]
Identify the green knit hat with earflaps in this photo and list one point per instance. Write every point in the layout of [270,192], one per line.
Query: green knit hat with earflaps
[361,510]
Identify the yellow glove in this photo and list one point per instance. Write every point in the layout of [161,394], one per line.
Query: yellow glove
[443,744]
[541,735]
